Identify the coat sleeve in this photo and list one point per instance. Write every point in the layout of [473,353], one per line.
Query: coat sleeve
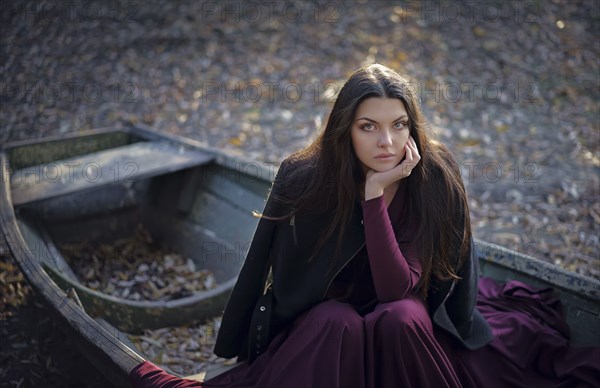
[464,321]
[251,280]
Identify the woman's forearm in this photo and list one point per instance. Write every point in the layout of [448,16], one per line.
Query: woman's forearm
[395,271]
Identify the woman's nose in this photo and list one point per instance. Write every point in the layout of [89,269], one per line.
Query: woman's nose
[385,139]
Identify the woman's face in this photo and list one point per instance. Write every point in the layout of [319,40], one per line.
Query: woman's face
[379,132]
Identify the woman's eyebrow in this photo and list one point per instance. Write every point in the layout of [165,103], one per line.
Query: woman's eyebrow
[373,121]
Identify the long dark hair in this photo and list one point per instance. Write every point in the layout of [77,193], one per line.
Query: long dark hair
[332,177]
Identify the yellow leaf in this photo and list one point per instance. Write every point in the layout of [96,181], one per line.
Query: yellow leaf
[479,31]
[235,141]
[501,128]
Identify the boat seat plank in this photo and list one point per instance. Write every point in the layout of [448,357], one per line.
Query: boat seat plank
[116,165]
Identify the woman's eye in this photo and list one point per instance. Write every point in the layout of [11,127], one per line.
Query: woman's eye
[367,127]
[399,125]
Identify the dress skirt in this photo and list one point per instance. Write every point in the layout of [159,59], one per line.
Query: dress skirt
[395,345]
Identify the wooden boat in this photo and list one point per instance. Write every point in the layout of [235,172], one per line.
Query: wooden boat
[100,183]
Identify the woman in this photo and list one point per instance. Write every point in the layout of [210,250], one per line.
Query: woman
[361,270]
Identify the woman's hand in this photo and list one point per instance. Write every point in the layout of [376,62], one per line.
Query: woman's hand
[376,182]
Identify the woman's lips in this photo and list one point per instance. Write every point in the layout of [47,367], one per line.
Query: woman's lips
[385,156]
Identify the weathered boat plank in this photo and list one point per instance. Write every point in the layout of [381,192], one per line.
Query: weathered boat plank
[25,153]
[114,165]
[45,254]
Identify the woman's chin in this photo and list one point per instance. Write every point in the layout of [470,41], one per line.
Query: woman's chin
[380,166]
[386,166]
[383,168]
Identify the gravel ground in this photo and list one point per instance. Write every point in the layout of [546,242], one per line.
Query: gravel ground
[511,87]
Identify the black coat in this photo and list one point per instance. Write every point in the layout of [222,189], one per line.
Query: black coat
[299,285]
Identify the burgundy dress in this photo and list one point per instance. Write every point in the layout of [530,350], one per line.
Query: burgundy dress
[372,331]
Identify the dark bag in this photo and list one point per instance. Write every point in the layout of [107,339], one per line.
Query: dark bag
[260,326]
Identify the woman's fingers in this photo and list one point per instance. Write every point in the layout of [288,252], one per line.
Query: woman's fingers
[414,145]
[412,157]
[409,152]
[414,149]
[413,142]
[406,165]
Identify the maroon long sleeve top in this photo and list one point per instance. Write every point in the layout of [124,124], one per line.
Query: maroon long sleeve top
[395,270]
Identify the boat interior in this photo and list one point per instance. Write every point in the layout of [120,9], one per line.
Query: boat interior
[103,187]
